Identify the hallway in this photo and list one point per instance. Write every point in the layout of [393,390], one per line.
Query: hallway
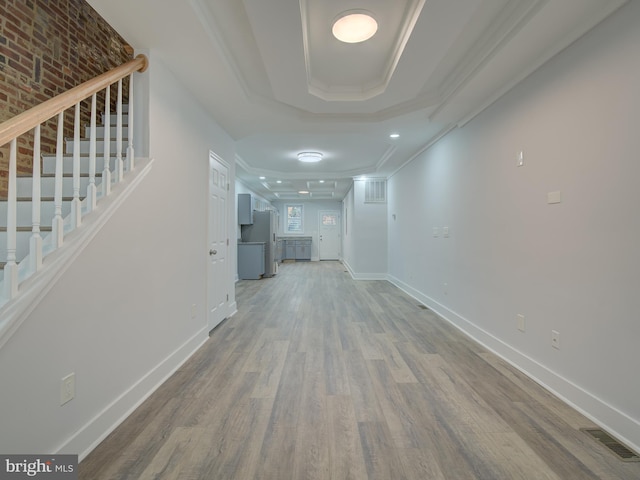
[322,377]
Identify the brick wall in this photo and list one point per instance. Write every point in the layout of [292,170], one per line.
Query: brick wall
[46,48]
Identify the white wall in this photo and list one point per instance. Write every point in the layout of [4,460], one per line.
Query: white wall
[573,267]
[311,219]
[120,316]
[365,242]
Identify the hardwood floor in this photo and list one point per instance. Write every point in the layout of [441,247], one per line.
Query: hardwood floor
[319,376]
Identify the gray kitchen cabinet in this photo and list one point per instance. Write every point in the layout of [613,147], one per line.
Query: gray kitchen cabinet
[289,249]
[303,249]
[296,248]
[245,209]
[250,260]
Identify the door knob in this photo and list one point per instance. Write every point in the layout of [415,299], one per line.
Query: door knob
[212,252]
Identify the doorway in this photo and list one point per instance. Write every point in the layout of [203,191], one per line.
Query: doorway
[329,235]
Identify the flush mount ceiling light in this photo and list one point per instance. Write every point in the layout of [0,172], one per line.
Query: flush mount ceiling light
[354,26]
[309,157]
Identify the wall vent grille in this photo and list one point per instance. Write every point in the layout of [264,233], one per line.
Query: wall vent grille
[621,451]
[375,190]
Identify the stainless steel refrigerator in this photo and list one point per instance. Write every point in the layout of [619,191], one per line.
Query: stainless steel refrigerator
[263,229]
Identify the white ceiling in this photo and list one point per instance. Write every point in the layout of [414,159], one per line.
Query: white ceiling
[272,75]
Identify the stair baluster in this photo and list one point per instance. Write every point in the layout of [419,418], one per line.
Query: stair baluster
[76,206]
[35,242]
[11,267]
[106,173]
[33,246]
[91,188]
[57,226]
[119,162]
[130,150]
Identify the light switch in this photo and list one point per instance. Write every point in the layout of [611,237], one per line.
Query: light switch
[445,232]
[436,232]
[520,161]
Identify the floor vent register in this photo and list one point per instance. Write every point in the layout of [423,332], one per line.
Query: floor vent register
[620,450]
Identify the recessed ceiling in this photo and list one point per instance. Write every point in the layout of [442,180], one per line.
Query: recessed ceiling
[274,77]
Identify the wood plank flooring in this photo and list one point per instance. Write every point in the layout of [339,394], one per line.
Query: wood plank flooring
[322,377]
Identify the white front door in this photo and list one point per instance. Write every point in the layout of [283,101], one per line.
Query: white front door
[329,235]
[218,241]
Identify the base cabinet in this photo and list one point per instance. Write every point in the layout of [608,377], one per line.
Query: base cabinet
[296,248]
[250,261]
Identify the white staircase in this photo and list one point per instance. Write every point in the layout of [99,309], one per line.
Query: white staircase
[47,185]
[49,218]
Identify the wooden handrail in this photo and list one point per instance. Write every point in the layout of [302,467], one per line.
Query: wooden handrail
[28,120]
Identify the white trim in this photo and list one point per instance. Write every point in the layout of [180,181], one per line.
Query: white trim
[233,309]
[106,421]
[597,410]
[364,276]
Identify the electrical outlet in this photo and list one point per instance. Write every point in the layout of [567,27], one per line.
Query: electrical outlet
[67,388]
[445,287]
[436,232]
[520,322]
[445,232]
[555,339]
[194,311]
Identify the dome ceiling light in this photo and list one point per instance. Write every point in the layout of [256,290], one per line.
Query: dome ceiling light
[309,157]
[354,26]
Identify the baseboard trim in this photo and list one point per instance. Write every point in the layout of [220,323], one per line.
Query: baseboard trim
[363,276]
[608,417]
[233,309]
[99,427]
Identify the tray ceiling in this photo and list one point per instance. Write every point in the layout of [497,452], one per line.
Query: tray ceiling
[273,76]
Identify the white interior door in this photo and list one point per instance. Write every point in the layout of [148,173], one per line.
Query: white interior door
[218,241]
[329,235]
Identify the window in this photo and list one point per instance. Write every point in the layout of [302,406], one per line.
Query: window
[329,219]
[294,219]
